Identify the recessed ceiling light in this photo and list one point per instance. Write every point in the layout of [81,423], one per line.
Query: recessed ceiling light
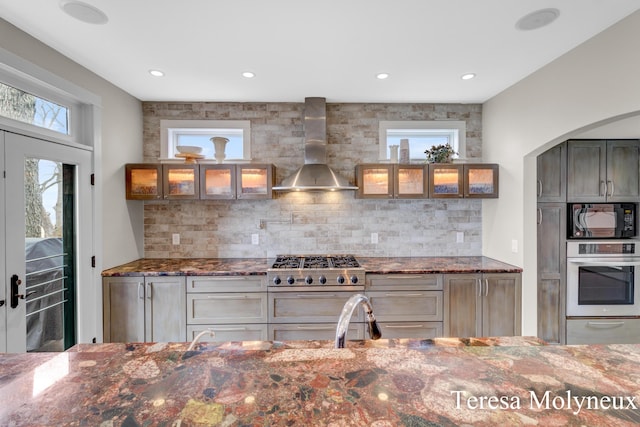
[468,76]
[248,74]
[537,19]
[84,12]
[382,76]
[156,73]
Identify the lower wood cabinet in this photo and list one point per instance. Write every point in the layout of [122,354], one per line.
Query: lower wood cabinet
[240,308]
[313,331]
[407,305]
[478,305]
[230,332]
[309,307]
[234,307]
[418,330]
[144,309]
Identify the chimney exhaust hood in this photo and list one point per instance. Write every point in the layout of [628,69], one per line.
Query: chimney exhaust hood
[315,174]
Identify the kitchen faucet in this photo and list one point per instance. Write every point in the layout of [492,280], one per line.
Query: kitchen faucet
[345,317]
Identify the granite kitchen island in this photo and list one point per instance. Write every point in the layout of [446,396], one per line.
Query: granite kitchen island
[480,381]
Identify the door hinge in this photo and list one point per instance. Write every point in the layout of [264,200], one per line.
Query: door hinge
[93,261]
[93,179]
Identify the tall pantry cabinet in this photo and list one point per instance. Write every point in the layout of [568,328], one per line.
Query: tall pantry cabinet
[551,231]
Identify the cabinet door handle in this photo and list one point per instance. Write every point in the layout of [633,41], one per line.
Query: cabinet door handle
[315,296]
[149,290]
[226,296]
[479,287]
[539,188]
[399,295]
[486,287]
[605,325]
[140,290]
[539,216]
[315,328]
[403,326]
[613,188]
[603,188]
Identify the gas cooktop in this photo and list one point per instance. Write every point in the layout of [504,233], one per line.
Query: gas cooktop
[315,261]
[305,270]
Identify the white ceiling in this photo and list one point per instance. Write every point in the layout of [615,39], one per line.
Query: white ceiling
[327,48]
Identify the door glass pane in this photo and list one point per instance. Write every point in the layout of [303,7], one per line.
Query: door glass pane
[253,181]
[49,210]
[445,181]
[605,285]
[375,181]
[410,181]
[481,181]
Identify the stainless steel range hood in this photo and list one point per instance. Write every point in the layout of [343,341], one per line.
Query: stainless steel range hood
[315,174]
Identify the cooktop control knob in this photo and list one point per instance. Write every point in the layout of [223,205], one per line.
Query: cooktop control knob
[276,280]
[308,280]
[322,279]
[291,280]
[341,279]
[354,279]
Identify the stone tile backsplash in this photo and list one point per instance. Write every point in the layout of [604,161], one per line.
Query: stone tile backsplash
[312,222]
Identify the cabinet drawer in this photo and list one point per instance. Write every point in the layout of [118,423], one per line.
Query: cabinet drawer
[309,307]
[420,330]
[603,331]
[232,332]
[411,306]
[313,331]
[226,308]
[404,282]
[226,284]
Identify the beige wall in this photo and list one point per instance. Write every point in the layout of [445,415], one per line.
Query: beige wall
[121,139]
[593,85]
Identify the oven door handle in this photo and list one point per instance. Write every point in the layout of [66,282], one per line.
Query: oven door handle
[607,263]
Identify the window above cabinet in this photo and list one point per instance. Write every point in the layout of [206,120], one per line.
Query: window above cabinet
[199,133]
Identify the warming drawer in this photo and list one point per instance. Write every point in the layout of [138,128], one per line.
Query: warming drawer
[603,331]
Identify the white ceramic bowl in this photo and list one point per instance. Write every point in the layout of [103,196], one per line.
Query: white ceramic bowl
[188,149]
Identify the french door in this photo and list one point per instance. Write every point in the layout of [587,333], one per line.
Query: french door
[47,230]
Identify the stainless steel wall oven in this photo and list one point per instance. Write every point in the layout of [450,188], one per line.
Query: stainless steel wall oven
[603,291]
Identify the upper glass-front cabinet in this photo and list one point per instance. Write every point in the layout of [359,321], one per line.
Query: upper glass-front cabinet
[180,181]
[255,181]
[236,181]
[385,181]
[449,180]
[217,181]
[481,180]
[143,181]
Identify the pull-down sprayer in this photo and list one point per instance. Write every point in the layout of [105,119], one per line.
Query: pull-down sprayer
[345,317]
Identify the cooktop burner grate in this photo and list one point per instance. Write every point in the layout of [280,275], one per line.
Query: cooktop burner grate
[287,261]
[315,261]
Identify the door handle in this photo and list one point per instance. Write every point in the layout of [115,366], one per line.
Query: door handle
[15,282]
[1,303]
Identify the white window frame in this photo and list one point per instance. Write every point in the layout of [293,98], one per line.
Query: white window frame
[454,129]
[170,129]
[78,110]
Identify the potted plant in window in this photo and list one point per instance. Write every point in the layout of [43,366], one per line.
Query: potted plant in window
[440,153]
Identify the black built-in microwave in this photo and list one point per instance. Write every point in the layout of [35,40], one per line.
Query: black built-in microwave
[601,220]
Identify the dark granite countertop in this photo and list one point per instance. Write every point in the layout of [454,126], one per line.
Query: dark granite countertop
[380,384]
[258,266]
